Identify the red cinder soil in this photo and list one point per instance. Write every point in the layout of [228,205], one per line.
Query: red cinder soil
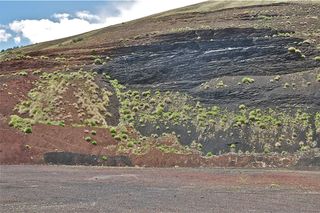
[20,65]
[17,147]
[14,89]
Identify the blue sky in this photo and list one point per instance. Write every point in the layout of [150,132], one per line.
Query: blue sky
[27,22]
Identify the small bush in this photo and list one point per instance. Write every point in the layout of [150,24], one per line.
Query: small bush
[117,137]
[292,50]
[135,109]
[22,124]
[98,61]
[209,154]
[267,148]
[146,93]
[88,139]
[61,123]
[104,158]
[242,107]
[36,72]
[247,80]
[262,126]
[233,146]
[93,132]
[113,130]
[94,142]
[130,144]
[55,123]
[90,122]
[124,136]
[44,57]
[75,40]
[296,52]
[23,73]
[317,58]
[220,84]
[27,130]
[277,78]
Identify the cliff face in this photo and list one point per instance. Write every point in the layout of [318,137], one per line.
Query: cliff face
[207,79]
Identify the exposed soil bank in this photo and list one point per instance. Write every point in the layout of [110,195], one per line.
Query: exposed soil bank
[158,159]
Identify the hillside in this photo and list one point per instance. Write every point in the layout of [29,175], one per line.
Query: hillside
[213,84]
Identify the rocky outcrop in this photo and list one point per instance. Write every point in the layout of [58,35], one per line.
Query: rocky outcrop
[185,60]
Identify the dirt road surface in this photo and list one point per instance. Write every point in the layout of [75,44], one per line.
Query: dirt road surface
[27,188]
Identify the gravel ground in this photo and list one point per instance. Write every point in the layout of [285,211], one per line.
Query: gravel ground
[27,188]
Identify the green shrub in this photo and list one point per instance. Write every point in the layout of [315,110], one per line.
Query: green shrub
[117,137]
[23,73]
[292,50]
[90,122]
[94,142]
[242,107]
[267,148]
[296,51]
[104,158]
[152,101]
[277,78]
[209,154]
[44,57]
[262,126]
[135,109]
[233,146]
[98,61]
[93,132]
[23,124]
[75,40]
[130,144]
[159,110]
[61,123]
[317,58]
[88,138]
[27,130]
[55,123]
[124,136]
[247,80]
[36,72]
[113,130]
[220,84]
[146,93]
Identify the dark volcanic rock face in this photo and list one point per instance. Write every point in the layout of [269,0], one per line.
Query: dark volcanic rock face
[183,61]
[212,67]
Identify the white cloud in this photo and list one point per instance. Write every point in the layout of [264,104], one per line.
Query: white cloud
[45,30]
[67,25]
[86,15]
[61,15]
[17,39]
[4,36]
[142,8]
